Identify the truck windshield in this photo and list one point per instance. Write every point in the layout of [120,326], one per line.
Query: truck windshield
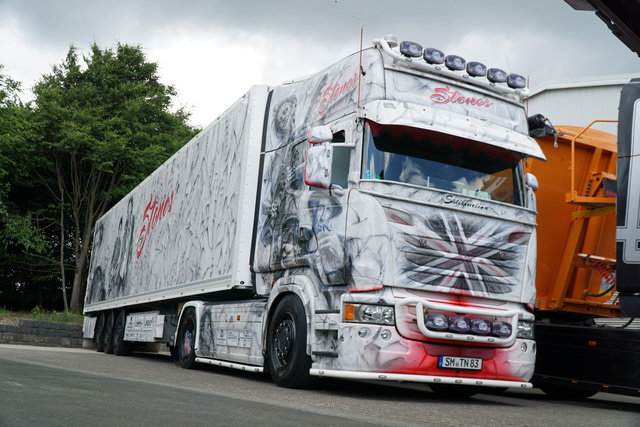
[442,161]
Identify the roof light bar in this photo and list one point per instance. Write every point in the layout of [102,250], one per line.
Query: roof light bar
[496,75]
[454,62]
[433,56]
[408,53]
[411,49]
[516,81]
[476,69]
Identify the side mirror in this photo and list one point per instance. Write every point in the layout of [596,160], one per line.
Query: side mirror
[319,134]
[531,181]
[317,167]
[531,184]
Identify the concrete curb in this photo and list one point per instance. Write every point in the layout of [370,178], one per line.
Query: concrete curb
[40,333]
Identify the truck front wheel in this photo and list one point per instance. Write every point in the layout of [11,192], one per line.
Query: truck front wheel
[187,339]
[287,359]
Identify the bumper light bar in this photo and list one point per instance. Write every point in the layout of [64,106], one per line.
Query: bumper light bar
[463,325]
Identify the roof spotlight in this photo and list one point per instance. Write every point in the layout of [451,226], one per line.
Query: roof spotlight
[411,49]
[496,75]
[516,81]
[433,56]
[454,62]
[476,69]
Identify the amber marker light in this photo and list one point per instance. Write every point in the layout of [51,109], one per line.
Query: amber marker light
[349,312]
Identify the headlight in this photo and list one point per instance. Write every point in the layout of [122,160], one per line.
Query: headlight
[367,313]
[525,330]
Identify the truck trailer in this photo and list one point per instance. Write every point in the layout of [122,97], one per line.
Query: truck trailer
[588,272]
[372,221]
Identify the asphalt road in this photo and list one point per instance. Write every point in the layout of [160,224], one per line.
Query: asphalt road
[72,387]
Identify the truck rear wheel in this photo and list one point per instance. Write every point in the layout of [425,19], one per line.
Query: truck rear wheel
[120,347]
[287,359]
[187,339]
[107,335]
[98,333]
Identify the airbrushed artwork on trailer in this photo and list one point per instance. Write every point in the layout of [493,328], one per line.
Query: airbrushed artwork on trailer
[165,235]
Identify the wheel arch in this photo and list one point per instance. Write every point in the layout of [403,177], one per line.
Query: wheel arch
[198,308]
[302,287]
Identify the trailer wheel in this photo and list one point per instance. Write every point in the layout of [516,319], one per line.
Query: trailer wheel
[565,393]
[187,339]
[287,359]
[98,333]
[120,347]
[107,337]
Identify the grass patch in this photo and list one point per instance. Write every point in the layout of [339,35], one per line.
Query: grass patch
[4,313]
[39,314]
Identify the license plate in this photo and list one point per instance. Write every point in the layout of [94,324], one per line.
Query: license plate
[468,363]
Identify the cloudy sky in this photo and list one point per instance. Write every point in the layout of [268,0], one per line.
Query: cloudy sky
[212,51]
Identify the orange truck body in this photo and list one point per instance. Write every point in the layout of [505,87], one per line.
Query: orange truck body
[576,222]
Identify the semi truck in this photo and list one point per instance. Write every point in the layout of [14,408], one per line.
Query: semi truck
[588,271]
[372,221]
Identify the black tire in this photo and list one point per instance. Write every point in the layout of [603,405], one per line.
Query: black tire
[565,393]
[453,391]
[287,357]
[107,336]
[173,350]
[98,333]
[186,343]
[120,347]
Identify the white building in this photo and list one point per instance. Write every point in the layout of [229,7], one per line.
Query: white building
[580,101]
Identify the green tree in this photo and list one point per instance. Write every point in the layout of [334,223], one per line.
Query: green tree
[14,155]
[103,123]
[17,232]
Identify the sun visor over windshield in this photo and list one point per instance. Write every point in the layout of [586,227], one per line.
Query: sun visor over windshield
[449,123]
